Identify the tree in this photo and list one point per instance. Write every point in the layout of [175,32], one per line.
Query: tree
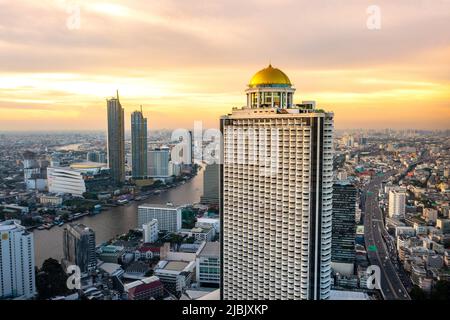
[188,218]
[441,291]
[51,280]
[417,293]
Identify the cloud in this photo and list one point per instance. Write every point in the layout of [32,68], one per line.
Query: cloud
[198,55]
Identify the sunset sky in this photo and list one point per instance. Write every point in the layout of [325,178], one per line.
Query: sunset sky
[190,60]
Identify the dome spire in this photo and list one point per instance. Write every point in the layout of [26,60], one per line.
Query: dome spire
[270,76]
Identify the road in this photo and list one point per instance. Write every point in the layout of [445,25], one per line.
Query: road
[392,287]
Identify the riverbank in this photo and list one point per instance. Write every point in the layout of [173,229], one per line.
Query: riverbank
[115,220]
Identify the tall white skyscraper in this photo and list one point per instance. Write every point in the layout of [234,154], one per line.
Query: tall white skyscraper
[276,195]
[397,203]
[17,278]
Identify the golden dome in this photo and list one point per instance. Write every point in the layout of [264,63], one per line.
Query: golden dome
[270,76]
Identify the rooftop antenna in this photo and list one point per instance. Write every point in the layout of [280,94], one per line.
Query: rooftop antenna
[117,94]
[141,108]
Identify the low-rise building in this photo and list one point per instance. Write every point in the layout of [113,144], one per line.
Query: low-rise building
[175,275]
[443,225]
[51,200]
[208,265]
[145,289]
[110,253]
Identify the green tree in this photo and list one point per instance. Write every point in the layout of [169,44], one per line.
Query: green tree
[417,293]
[441,291]
[51,280]
[188,218]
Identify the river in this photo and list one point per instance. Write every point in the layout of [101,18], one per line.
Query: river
[114,221]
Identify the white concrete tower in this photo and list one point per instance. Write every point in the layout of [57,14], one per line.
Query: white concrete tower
[17,279]
[276,195]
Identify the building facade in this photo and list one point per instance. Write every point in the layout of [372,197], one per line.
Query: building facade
[159,163]
[208,265]
[145,289]
[78,178]
[276,195]
[35,172]
[150,230]
[168,217]
[211,185]
[66,180]
[79,247]
[397,203]
[138,145]
[344,228]
[116,140]
[17,274]
[96,156]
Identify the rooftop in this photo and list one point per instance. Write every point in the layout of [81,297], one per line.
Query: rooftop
[160,206]
[175,265]
[210,249]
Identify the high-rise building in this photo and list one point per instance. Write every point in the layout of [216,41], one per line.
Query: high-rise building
[344,228]
[150,231]
[79,247]
[138,144]
[17,274]
[96,156]
[159,163]
[116,140]
[35,171]
[276,195]
[211,185]
[397,203]
[168,216]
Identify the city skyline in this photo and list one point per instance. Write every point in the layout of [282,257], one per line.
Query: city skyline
[324,176]
[183,58]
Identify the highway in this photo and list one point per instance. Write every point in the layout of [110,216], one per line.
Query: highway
[379,252]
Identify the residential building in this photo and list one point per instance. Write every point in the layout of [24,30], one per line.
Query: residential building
[159,164]
[344,228]
[138,144]
[397,203]
[150,231]
[211,185]
[444,225]
[17,274]
[168,216]
[430,215]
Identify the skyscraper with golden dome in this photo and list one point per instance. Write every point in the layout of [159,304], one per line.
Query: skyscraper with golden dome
[276,194]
